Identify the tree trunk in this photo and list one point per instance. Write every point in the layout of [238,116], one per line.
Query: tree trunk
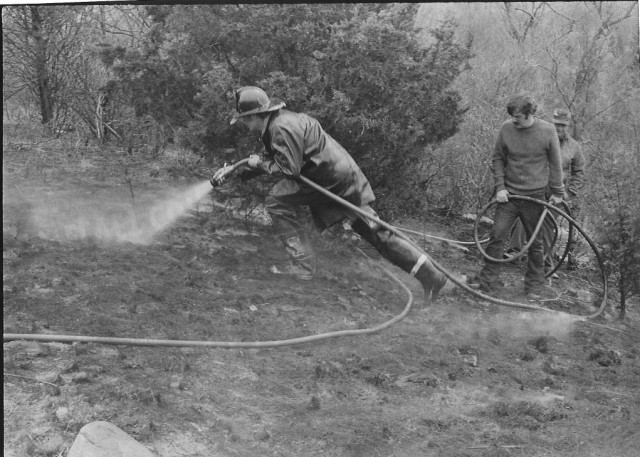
[42,75]
[623,297]
[99,121]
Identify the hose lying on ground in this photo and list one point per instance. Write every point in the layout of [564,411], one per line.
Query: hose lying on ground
[334,334]
[222,344]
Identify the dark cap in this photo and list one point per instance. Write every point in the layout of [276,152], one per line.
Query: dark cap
[561,116]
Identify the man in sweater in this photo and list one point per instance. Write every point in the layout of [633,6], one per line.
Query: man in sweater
[525,161]
[573,166]
[297,145]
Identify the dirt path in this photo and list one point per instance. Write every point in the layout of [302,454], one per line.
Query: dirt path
[464,378]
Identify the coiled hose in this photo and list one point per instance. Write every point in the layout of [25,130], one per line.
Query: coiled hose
[572,222]
[447,273]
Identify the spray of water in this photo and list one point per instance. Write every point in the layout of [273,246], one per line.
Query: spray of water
[74,218]
[517,325]
[526,324]
[164,214]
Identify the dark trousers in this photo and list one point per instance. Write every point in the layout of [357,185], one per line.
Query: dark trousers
[547,232]
[505,216]
[282,204]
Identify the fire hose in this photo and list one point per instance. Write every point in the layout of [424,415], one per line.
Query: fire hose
[572,224]
[333,334]
[448,274]
[545,215]
[222,344]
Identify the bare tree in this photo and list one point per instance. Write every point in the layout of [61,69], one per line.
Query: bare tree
[40,45]
[576,81]
[521,22]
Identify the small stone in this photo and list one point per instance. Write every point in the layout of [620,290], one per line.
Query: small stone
[62,412]
[471,360]
[80,377]
[177,385]
[51,377]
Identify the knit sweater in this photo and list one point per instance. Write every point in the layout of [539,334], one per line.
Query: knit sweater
[526,160]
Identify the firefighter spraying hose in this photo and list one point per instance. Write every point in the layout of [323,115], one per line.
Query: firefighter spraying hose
[320,174]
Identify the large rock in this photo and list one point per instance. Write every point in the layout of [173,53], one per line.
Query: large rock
[103,439]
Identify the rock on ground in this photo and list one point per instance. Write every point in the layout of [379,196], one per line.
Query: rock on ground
[104,439]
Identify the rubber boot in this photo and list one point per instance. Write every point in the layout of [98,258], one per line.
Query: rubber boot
[431,279]
[302,257]
[404,255]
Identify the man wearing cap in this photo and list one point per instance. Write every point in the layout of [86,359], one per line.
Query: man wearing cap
[297,145]
[526,160]
[573,165]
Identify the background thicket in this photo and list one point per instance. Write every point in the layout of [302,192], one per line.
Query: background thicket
[415,92]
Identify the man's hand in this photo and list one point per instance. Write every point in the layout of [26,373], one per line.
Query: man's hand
[502,196]
[254,160]
[221,175]
[555,200]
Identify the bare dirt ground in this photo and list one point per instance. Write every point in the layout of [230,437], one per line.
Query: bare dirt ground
[463,378]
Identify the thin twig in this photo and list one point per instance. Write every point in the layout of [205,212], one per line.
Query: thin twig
[557,297]
[605,326]
[30,379]
[113,131]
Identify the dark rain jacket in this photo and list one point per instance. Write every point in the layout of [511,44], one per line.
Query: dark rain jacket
[573,165]
[296,144]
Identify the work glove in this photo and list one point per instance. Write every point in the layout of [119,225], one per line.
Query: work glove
[502,196]
[555,200]
[221,175]
[254,160]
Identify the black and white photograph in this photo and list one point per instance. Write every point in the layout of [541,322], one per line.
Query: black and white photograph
[321,229]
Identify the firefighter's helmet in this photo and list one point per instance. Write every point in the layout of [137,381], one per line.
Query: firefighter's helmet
[253,100]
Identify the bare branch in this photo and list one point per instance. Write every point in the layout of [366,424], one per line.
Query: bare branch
[595,115]
[549,5]
[554,76]
[625,16]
